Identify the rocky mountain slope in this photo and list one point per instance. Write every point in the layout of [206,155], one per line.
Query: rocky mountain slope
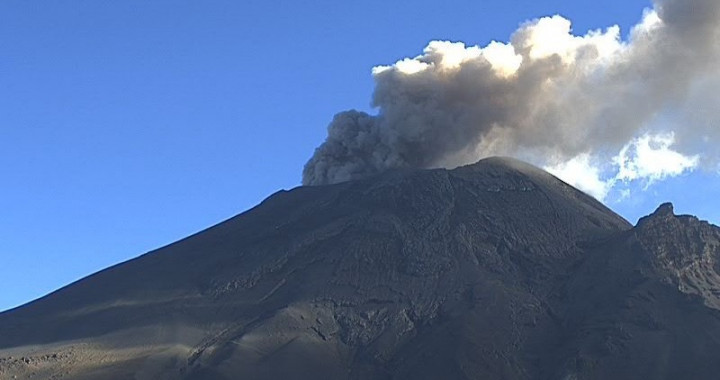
[490,271]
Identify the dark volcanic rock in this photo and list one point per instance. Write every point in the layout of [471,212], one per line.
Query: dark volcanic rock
[493,270]
[644,304]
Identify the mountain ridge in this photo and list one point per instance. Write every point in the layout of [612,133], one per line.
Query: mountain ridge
[491,270]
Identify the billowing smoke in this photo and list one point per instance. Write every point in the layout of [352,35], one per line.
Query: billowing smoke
[572,104]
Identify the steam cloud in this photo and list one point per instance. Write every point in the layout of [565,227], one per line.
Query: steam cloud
[643,107]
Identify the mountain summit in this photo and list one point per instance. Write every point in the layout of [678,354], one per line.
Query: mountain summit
[492,270]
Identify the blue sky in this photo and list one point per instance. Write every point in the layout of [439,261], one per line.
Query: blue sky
[127,125]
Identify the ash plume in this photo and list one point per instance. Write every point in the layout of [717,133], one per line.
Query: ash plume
[547,96]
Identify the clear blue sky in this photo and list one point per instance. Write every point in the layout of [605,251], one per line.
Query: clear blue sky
[126,125]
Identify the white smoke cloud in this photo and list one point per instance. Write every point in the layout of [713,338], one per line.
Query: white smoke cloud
[581,173]
[646,159]
[588,107]
[650,158]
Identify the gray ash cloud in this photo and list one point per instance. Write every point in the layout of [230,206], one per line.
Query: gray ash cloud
[546,96]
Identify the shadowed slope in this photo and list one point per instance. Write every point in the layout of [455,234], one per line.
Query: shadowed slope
[490,270]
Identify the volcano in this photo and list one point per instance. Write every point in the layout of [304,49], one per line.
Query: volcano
[495,270]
